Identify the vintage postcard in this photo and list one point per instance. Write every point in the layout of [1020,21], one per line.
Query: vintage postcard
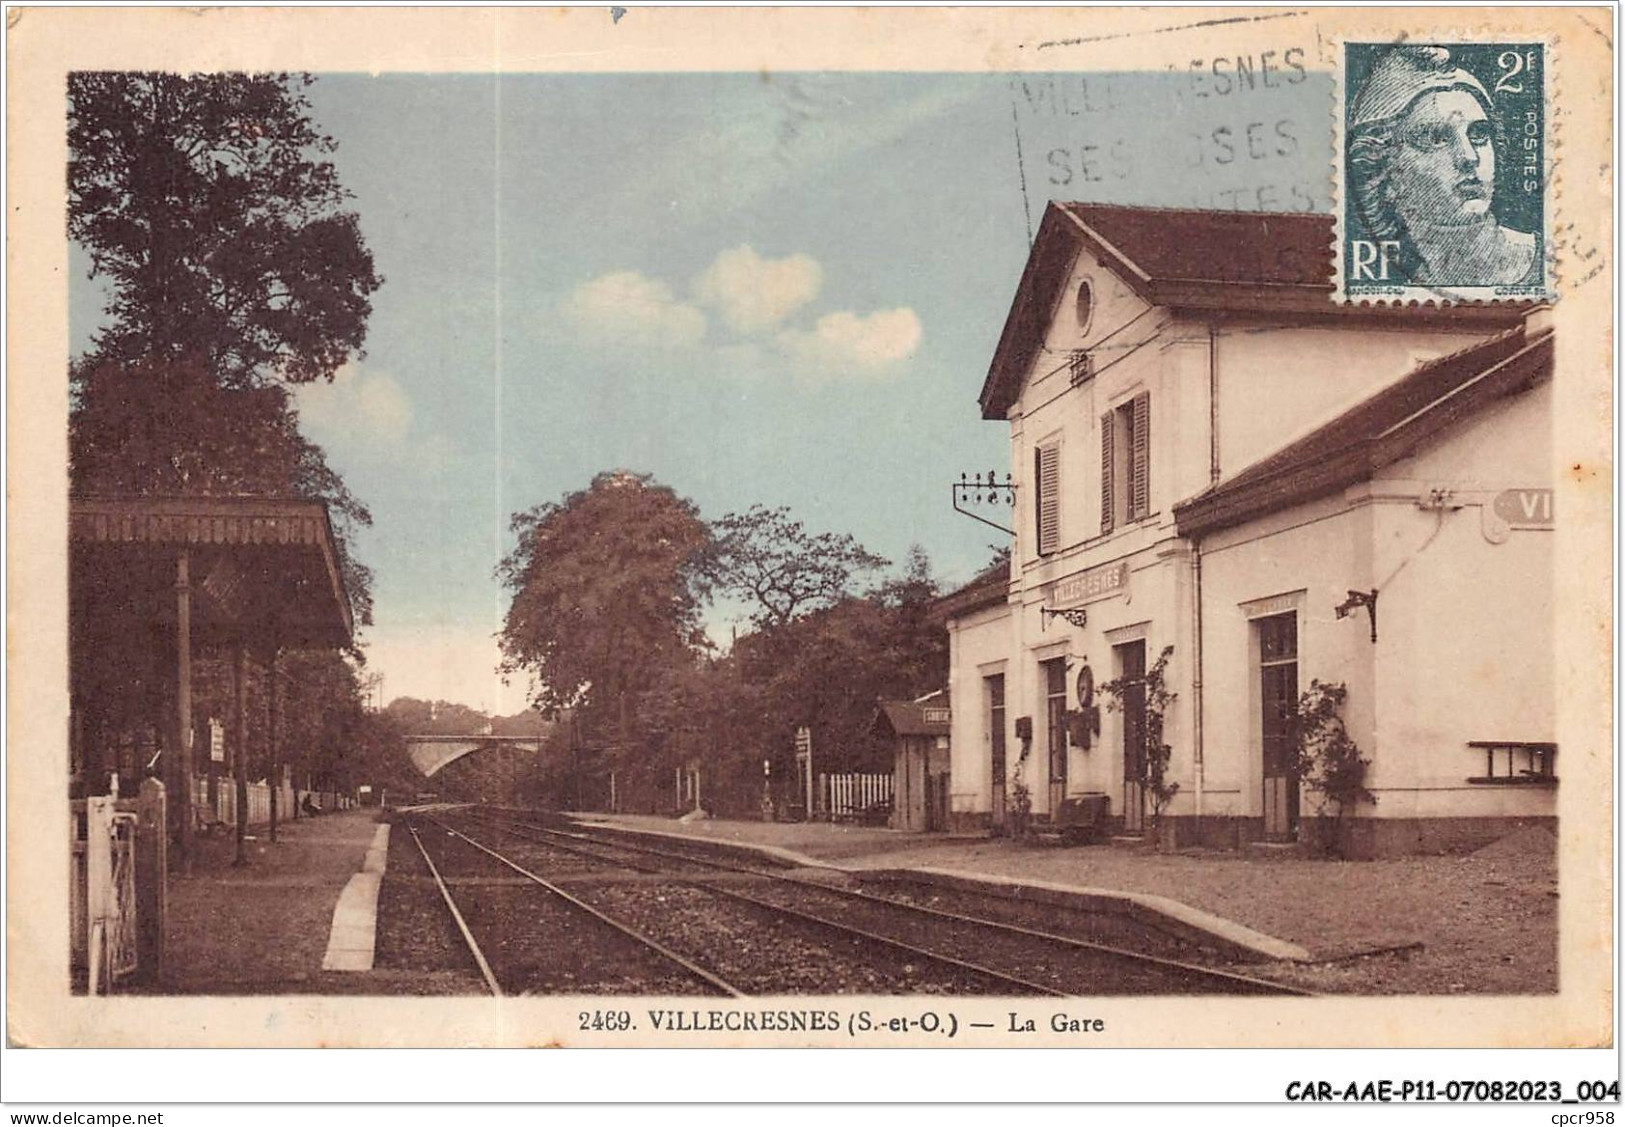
[763,528]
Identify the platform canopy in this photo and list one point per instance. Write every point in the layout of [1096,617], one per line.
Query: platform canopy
[152,577]
[261,568]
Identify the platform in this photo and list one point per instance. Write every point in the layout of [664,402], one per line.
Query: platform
[265,928]
[1282,906]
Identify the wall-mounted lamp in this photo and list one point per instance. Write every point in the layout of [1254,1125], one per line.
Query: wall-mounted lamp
[1366,599]
[1077,616]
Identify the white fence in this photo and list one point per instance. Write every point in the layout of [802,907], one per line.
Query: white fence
[259,801]
[855,797]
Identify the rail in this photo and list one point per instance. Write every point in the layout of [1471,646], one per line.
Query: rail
[1239,983]
[687,965]
[807,917]
[456,914]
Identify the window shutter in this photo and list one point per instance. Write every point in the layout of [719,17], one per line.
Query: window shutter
[1049,498]
[1106,486]
[1038,500]
[1140,502]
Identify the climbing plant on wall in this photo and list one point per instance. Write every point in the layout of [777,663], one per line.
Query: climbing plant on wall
[1154,752]
[1330,766]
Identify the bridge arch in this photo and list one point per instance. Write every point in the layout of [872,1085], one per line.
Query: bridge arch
[430,754]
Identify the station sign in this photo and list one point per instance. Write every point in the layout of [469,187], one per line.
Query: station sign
[1524,508]
[217,741]
[1088,586]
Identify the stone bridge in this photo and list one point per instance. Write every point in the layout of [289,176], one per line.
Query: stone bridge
[431,753]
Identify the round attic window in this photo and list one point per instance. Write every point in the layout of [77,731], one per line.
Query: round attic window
[1086,305]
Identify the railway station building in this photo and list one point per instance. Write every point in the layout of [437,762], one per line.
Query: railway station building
[1214,460]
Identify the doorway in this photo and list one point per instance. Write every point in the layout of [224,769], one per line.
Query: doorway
[1278,714]
[993,695]
[1054,681]
[1130,658]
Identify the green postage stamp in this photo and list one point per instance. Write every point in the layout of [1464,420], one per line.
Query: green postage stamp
[1444,175]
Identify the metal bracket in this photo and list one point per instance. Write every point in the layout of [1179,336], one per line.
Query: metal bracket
[1366,599]
[1077,616]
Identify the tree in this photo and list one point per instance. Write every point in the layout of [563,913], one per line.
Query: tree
[209,207]
[917,639]
[152,427]
[769,558]
[437,718]
[605,593]
[210,211]
[829,668]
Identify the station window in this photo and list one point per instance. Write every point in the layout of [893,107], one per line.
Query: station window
[1047,496]
[1125,463]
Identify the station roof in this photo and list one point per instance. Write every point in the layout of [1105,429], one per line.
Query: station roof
[264,567]
[990,588]
[1212,263]
[1387,426]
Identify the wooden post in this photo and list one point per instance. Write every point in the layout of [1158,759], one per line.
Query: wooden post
[180,769]
[212,793]
[239,751]
[99,895]
[273,774]
[151,889]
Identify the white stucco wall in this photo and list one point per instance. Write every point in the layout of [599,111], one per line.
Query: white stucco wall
[1464,626]
[1121,333]
[1466,638]
[979,644]
[1278,383]
[1306,557]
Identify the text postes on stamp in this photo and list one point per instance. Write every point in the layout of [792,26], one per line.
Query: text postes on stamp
[1443,179]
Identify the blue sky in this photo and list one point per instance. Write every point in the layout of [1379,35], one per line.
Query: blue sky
[775,288]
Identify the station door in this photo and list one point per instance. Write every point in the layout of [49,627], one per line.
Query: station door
[1278,708]
[1131,668]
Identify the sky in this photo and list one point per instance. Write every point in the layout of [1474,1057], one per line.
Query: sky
[759,288]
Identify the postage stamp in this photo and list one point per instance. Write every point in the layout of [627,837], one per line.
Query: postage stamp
[1444,173]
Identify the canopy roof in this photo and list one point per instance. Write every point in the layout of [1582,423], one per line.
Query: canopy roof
[264,568]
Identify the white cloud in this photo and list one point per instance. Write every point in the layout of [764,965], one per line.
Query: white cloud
[759,299]
[754,293]
[369,409]
[626,307]
[844,341]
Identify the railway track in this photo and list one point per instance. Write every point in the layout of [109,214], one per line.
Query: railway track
[590,951]
[1035,959]
[736,944]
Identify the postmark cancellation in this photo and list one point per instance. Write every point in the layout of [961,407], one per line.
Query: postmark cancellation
[1444,186]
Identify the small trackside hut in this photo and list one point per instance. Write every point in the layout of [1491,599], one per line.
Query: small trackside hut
[918,730]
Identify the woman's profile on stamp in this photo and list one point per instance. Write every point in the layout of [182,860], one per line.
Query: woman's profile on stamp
[1423,136]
